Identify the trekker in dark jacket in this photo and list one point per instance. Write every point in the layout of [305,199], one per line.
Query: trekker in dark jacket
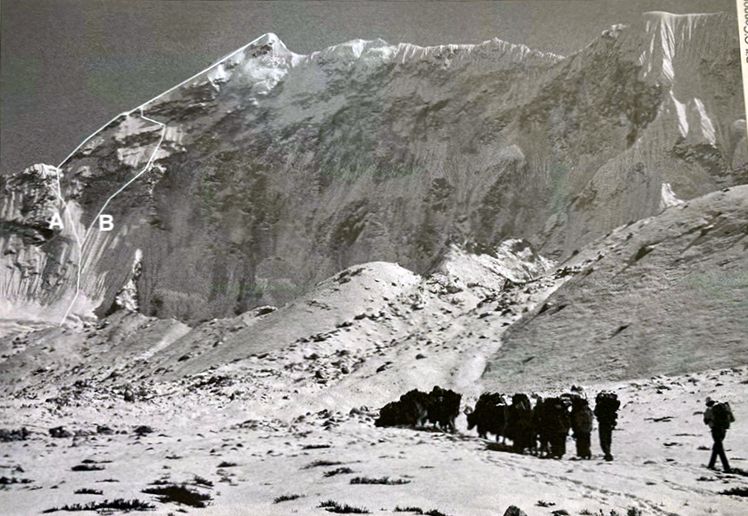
[718,417]
[557,424]
[581,424]
[540,433]
[520,423]
[606,412]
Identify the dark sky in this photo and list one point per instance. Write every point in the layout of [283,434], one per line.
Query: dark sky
[68,66]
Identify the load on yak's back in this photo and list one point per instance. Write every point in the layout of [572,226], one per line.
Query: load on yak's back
[540,428]
[414,408]
[490,415]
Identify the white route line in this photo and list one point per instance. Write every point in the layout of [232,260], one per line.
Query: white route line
[136,176]
[82,243]
[198,74]
[69,215]
[77,239]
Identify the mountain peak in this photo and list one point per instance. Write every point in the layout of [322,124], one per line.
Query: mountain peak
[269,38]
[302,165]
[667,44]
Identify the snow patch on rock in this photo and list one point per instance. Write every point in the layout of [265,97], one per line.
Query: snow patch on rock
[668,198]
[127,298]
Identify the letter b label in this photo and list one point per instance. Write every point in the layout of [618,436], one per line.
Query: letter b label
[106,222]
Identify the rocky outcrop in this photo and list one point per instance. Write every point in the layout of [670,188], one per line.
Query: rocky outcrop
[37,261]
[248,183]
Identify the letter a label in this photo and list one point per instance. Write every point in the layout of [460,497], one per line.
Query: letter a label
[106,222]
[56,221]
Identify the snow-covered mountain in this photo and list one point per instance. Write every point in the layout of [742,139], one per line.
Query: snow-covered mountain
[258,177]
[299,239]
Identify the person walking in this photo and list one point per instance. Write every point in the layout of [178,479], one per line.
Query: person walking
[520,422]
[606,412]
[540,432]
[718,417]
[558,426]
[581,425]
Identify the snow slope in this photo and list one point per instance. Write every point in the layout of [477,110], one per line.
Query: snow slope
[349,341]
[244,461]
[664,295]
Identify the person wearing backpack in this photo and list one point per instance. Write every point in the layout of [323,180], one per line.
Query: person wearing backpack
[558,424]
[581,424]
[718,416]
[520,426]
[606,412]
[540,427]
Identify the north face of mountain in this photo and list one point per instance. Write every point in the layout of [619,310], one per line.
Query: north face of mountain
[273,170]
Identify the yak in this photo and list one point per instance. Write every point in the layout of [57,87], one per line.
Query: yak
[410,410]
[489,415]
[520,423]
[444,408]
[440,407]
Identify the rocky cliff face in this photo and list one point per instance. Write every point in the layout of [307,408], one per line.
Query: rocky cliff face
[38,263]
[269,171]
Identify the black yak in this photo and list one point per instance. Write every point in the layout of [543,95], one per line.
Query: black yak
[410,410]
[444,407]
[489,415]
[440,407]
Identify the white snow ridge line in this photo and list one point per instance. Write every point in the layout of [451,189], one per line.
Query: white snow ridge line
[147,167]
[198,74]
[81,244]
